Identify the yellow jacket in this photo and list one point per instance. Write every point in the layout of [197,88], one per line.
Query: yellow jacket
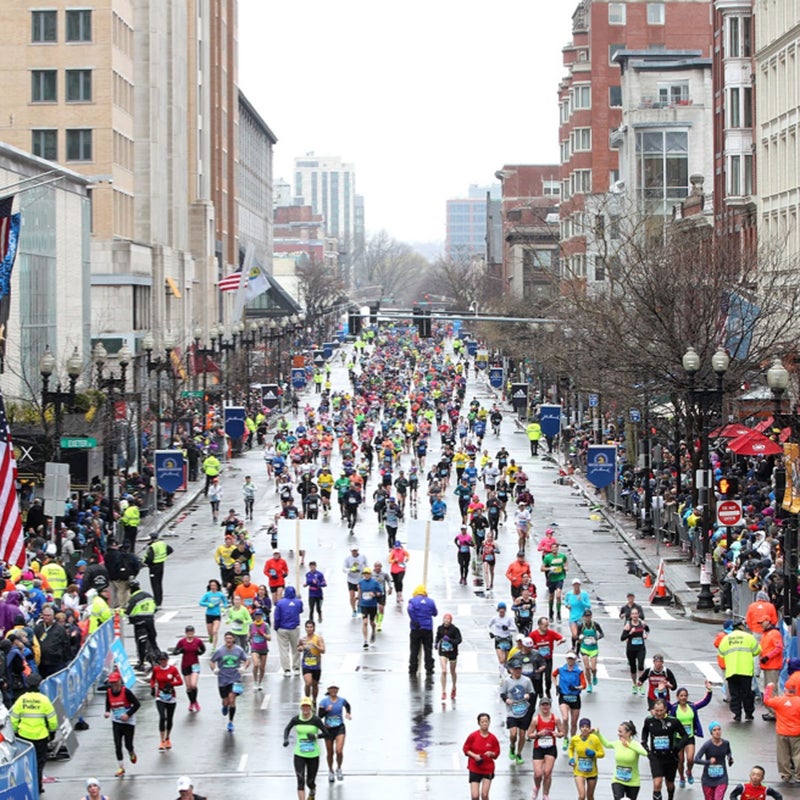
[33,716]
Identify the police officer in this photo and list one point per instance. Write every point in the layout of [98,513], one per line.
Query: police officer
[34,719]
[99,610]
[211,468]
[130,520]
[54,573]
[155,557]
[141,611]
[739,648]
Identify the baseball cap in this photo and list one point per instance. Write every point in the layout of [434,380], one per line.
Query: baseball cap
[514,663]
[545,701]
[527,642]
[501,604]
[570,655]
[184,783]
[114,677]
[92,782]
[575,580]
[366,571]
[333,686]
[259,612]
[307,701]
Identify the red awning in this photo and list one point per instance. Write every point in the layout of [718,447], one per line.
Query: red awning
[730,431]
[754,444]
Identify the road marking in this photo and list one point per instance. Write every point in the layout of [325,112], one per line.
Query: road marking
[602,672]
[464,610]
[468,661]
[167,616]
[612,611]
[662,613]
[709,671]
[242,763]
[265,702]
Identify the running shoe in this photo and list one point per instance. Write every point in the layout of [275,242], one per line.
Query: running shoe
[372,638]
[366,645]
[682,783]
[331,777]
[197,706]
[168,744]
[162,746]
[594,680]
[642,690]
[512,756]
[590,688]
[230,727]
[224,711]
[453,695]
[520,759]
[565,744]
[133,758]
[634,689]
[444,695]
[339,776]
[287,673]
[355,614]
[690,779]
[535,792]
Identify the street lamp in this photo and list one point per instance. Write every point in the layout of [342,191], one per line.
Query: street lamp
[226,346]
[778,381]
[57,398]
[113,387]
[707,402]
[159,365]
[205,353]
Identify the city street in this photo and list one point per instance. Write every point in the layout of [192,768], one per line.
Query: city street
[402,737]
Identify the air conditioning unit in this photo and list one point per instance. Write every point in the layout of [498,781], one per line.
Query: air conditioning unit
[618,187]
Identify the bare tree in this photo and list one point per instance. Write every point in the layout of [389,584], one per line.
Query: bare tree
[392,265]
[463,278]
[321,290]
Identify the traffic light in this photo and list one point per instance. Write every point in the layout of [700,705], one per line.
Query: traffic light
[354,323]
[729,486]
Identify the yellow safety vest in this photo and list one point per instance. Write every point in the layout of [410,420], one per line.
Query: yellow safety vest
[56,576]
[33,716]
[159,549]
[211,466]
[131,516]
[99,612]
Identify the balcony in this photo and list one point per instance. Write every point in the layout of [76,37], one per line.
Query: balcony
[659,101]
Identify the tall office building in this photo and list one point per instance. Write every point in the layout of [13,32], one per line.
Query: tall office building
[328,185]
[466,230]
[590,100]
[141,97]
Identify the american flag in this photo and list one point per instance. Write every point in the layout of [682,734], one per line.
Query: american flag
[12,544]
[231,283]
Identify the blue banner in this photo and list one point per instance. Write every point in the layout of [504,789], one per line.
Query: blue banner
[123,664]
[550,420]
[327,349]
[169,470]
[234,421]
[18,778]
[298,378]
[472,347]
[496,377]
[601,465]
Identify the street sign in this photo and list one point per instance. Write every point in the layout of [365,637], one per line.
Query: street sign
[77,442]
[594,401]
[729,512]
[192,393]
[636,415]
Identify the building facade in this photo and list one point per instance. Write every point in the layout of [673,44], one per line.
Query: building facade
[465,236]
[777,55]
[590,100]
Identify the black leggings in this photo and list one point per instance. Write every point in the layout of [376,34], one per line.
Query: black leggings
[123,733]
[463,564]
[397,577]
[306,771]
[620,790]
[166,711]
[636,660]
[314,603]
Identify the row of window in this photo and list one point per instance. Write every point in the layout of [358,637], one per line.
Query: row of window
[580,99]
[77,85]
[78,27]
[617,13]
[44,143]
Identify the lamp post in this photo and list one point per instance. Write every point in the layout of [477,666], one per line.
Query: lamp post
[159,365]
[228,346]
[205,353]
[248,342]
[778,381]
[707,402]
[113,387]
[58,398]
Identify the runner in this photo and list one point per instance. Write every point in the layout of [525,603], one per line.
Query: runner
[464,545]
[516,691]
[334,710]
[712,757]
[238,620]
[583,751]
[659,681]
[554,566]
[589,634]
[260,634]
[163,680]
[524,607]
[368,591]
[227,661]
[315,582]
[481,749]
[544,639]
[634,634]
[570,682]
[626,781]
[544,729]
[755,789]
[488,553]
[214,600]
[686,713]
[121,705]
[309,728]
[385,582]
[190,648]
[663,736]
[515,573]
[446,642]
[398,561]
[503,630]
[577,601]
[353,565]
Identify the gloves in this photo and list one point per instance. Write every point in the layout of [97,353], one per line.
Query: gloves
[572,762]
[153,692]
[763,660]
[285,742]
[311,737]
[590,752]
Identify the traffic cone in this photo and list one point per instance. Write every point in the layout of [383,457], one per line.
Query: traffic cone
[648,581]
[659,593]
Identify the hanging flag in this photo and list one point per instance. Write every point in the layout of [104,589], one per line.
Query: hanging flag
[232,282]
[9,236]
[257,282]
[12,543]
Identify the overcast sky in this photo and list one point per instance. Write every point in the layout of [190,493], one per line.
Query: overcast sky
[424,97]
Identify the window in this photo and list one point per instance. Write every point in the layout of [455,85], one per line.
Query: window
[739,40]
[673,94]
[616,13]
[662,163]
[740,175]
[582,139]
[612,51]
[43,26]
[79,145]
[613,226]
[44,144]
[615,96]
[43,86]
[79,85]
[582,97]
[582,181]
[79,25]
[740,107]
[655,13]
[552,188]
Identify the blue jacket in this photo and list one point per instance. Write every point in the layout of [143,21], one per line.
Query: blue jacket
[288,611]
[421,611]
[698,728]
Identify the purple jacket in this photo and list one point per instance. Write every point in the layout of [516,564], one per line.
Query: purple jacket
[421,611]
[287,611]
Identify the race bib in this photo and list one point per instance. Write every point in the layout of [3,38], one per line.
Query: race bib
[544,650]
[367,595]
[195,668]
[689,728]
[165,696]
[333,720]
[569,698]
[504,644]
[464,548]
[306,746]
[489,557]
[585,764]
[446,646]
[120,712]
[590,641]
[519,709]
[524,613]
[661,742]
[258,639]
[545,741]
[715,770]
[273,573]
[623,774]
[637,641]
[311,661]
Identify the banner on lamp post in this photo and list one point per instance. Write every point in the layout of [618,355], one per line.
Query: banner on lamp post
[234,421]
[601,465]
[169,470]
[550,419]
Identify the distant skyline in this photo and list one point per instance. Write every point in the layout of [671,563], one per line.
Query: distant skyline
[424,101]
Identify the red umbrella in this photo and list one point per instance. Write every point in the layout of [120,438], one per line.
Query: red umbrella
[731,431]
[754,444]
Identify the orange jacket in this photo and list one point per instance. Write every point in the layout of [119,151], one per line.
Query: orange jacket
[792,683]
[717,639]
[516,572]
[772,649]
[760,609]
[787,712]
